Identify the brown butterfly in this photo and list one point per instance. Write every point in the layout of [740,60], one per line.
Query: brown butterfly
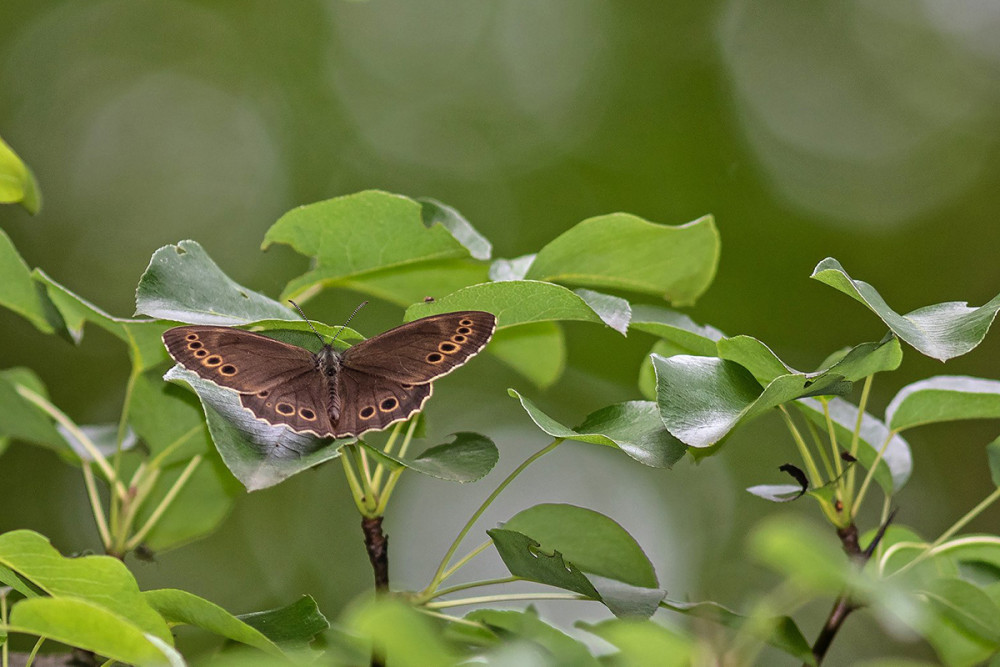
[332,394]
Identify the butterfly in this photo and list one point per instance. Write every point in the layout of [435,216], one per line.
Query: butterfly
[332,394]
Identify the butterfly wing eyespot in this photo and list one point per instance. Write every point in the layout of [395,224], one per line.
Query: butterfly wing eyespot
[366,412]
[228,370]
[434,358]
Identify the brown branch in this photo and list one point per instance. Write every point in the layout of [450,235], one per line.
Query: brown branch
[844,605]
[377,545]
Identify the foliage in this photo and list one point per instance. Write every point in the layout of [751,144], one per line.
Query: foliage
[173,463]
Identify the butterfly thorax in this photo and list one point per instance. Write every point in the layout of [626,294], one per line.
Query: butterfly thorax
[328,364]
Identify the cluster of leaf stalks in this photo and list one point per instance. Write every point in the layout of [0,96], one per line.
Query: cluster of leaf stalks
[168,465]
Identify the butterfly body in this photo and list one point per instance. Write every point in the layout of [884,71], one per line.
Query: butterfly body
[329,393]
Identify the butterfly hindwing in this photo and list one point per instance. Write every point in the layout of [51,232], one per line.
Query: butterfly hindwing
[237,359]
[420,351]
[372,403]
[300,404]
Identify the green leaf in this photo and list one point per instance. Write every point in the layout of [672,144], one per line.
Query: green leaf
[141,336]
[100,580]
[468,458]
[777,493]
[22,420]
[525,558]
[643,642]
[943,398]
[591,541]
[19,293]
[291,627]
[537,351]
[702,399]
[622,251]
[168,418]
[434,212]
[966,606]
[633,427]
[182,283]
[810,558]
[993,456]
[897,462]
[409,283]
[523,301]
[940,331]
[370,231]
[400,631]
[779,631]
[560,649]
[90,626]
[679,329]
[181,607]
[17,183]
[104,437]
[511,269]
[258,454]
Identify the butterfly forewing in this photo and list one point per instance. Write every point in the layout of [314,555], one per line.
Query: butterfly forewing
[425,349]
[241,360]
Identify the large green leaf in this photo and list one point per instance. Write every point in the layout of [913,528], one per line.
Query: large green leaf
[21,419]
[468,458]
[182,283]
[20,293]
[560,649]
[679,329]
[941,331]
[623,251]
[17,183]
[369,231]
[90,626]
[523,301]
[141,336]
[99,580]
[702,399]
[409,283]
[964,626]
[181,607]
[582,551]
[812,559]
[168,418]
[643,642]
[593,542]
[291,627]
[633,427]
[258,454]
[943,398]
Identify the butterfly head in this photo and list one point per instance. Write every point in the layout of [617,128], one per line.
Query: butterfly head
[328,360]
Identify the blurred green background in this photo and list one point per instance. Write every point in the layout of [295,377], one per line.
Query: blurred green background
[867,131]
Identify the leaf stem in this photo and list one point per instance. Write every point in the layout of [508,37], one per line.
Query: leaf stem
[476,584]
[818,443]
[95,505]
[352,481]
[511,597]
[137,539]
[856,436]
[832,435]
[70,425]
[34,651]
[438,575]
[386,491]
[870,475]
[465,559]
[389,446]
[449,618]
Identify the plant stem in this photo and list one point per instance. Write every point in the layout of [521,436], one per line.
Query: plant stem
[137,539]
[832,434]
[34,651]
[465,559]
[512,597]
[476,584]
[4,650]
[389,446]
[95,505]
[841,608]
[352,481]
[814,475]
[856,436]
[377,545]
[438,575]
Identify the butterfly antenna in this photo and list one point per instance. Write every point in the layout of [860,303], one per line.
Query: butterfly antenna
[344,326]
[307,321]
